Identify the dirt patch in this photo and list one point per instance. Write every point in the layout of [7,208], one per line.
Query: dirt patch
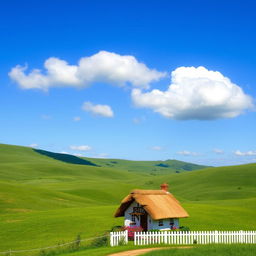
[145,250]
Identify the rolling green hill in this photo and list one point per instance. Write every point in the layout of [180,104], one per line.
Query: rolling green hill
[152,167]
[47,198]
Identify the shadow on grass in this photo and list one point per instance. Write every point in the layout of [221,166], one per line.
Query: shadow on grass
[65,158]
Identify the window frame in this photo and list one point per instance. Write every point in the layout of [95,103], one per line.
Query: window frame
[160,223]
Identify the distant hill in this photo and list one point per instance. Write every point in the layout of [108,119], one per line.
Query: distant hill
[152,167]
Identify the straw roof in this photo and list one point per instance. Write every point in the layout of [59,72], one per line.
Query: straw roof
[158,204]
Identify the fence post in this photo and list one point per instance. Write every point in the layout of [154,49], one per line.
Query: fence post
[216,238]
[126,236]
[165,237]
[241,240]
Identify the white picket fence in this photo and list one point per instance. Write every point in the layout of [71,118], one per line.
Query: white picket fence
[195,237]
[117,238]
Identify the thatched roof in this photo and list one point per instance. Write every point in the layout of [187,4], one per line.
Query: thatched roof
[158,204]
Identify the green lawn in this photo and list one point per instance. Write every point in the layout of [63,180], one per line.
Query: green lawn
[45,201]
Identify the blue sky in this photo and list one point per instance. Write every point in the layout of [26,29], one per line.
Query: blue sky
[143,80]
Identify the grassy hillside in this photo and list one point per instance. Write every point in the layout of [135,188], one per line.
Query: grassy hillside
[229,182]
[45,200]
[152,167]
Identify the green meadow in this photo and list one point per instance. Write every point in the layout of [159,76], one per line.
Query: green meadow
[48,198]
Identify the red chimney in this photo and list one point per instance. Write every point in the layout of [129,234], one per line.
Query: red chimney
[164,187]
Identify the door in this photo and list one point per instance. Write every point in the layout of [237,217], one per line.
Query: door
[144,221]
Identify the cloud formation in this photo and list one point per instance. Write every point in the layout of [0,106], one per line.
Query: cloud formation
[97,109]
[187,153]
[103,66]
[80,148]
[196,94]
[247,153]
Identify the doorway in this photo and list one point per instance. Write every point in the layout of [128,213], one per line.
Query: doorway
[144,221]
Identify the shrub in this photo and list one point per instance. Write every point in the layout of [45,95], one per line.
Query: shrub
[184,228]
[42,253]
[77,242]
[122,241]
[48,253]
[100,241]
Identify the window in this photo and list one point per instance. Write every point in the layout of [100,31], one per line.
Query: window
[160,223]
[171,223]
[133,222]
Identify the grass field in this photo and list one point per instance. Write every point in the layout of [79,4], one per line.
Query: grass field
[47,199]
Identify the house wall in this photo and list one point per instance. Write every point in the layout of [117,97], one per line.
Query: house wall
[128,217]
[154,224]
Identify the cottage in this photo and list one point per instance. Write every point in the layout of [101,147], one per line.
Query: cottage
[151,209]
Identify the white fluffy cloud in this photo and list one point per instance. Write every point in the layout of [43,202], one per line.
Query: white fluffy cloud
[97,109]
[187,153]
[80,148]
[196,93]
[247,153]
[101,67]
